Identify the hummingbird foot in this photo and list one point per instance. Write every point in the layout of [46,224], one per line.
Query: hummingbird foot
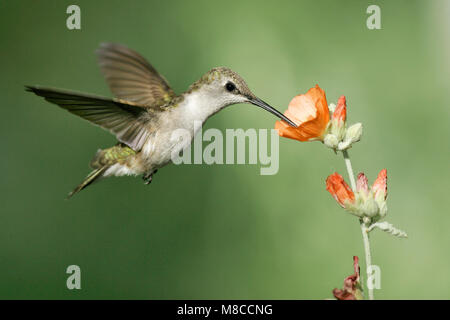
[148,177]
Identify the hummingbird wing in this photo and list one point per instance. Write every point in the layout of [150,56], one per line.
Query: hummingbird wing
[126,120]
[131,77]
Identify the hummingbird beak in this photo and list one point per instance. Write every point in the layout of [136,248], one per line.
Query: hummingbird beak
[258,102]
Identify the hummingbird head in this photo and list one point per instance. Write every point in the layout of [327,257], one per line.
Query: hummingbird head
[224,87]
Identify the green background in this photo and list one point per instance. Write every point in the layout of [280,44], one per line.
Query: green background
[225,231]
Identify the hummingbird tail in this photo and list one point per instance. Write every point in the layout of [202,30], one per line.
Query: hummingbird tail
[93,176]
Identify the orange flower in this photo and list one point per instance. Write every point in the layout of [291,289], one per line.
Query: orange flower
[310,112]
[340,190]
[362,202]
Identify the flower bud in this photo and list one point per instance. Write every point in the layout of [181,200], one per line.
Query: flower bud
[383,209]
[331,141]
[379,190]
[369,207]
[380,186]
[362,184]
[354,133]
[339,189]
[340,113]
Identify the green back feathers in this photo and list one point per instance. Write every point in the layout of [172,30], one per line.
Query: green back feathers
[120,153]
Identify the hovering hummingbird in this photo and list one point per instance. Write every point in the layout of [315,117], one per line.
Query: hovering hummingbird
[145,111]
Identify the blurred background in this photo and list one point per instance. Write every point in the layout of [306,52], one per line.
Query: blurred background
[225,231]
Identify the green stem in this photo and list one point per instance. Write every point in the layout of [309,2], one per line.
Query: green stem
[365,235]
[364,228]
[348,164]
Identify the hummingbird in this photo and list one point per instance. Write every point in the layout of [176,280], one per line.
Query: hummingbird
[145,111]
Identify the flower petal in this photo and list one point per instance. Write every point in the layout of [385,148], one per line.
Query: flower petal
[301,109]
[379,187]
[310,112]
[339,189]
[286,131]
[362,184]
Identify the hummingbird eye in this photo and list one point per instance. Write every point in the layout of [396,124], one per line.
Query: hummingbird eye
[230,86]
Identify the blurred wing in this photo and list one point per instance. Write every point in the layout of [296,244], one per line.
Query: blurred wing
[127,121]
[131,77]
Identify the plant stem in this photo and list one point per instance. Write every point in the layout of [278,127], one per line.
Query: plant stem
[348,164]
[364,228]
[365,235]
